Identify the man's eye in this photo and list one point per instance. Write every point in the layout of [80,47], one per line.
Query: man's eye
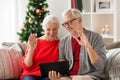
[71,21]
[65,23]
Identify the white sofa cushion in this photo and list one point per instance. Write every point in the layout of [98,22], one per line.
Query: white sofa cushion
[112,68]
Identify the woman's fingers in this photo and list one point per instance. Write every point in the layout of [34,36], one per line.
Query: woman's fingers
[32,37]
[32,41]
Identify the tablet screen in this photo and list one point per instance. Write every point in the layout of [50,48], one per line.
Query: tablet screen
[61,66]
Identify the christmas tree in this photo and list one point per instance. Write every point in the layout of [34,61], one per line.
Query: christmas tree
[36,11]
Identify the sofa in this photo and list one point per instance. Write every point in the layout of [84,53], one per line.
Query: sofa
[11,55]
[112,67]
[10,60]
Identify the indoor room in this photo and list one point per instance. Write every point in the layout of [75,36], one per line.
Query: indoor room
[20,18]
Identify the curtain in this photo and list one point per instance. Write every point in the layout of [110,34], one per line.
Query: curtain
[11,19]
[7,20]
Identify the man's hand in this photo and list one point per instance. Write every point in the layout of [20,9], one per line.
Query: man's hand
[91,52]
[83,39]
[53,75]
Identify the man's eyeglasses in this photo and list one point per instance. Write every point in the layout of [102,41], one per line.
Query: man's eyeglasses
[69,22]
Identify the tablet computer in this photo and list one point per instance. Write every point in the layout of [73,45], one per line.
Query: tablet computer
[61,66]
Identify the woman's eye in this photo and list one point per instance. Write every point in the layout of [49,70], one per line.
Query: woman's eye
[48,29]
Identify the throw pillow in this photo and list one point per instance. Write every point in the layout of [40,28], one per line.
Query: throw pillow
[7,44]
[10,62]
[21,45]
[112,68]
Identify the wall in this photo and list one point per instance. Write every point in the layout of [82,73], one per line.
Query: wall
[56,7]
[8,31]
[118,20]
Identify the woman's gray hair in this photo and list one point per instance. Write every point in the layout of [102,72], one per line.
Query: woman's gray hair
[75,12]
[49,18]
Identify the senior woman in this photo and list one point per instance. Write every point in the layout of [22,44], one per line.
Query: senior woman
[39,50]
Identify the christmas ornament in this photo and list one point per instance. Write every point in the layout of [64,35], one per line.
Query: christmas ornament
[30,20]
[40,4]
[40,14]
[38,11]
[24,28]
[36,22]
[30,7]
[44,8]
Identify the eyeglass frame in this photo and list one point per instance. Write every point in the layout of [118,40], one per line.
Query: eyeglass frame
[69,22]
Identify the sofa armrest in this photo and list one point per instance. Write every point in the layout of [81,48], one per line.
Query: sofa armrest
[113,45]
[10,63]
[112,67]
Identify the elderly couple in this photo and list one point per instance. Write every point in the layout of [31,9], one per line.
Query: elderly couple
[84,49]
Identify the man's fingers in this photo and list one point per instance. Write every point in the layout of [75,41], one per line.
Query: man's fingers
[80,33]
[77,40]
[58,75]
[53,75]
[50,75]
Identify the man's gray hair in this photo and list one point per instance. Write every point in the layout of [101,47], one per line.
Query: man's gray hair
[49,18]
[75,12]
